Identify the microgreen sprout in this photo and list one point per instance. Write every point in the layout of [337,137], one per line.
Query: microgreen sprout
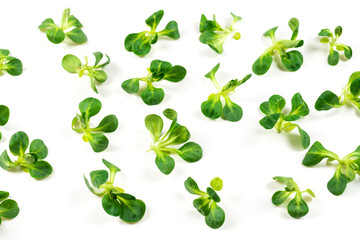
[331,38]
[72,64]
[69,26]
[350,94]
[4,116]
[31,162]
[10,64]
[177,134]
[140,43]
[345,171]
[158,71]
[9,208]
[282,122]
[115,201]
[213,108]
[206,204]
[81,124]
[297,207]
[214,35]
[291,60]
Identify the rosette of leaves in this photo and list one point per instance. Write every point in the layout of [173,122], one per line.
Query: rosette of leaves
[4,116]
[214,35]
[331,38]
[207,203]
[69,26]
[90,107]
[213,107]
[275,117]
[346,169]
[176,135]
[292,60]
[350,94]
[115,201]
[32,161]
[140,43]
[72,64]
[9,208]
[297,207]
[159,70]
[10,64]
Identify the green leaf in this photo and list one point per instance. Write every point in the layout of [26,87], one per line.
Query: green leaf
[5,161]
[192,187]
[316,153]
[338,182]
[152,95]
[178,135]
[202,204]
[280,197]
[176,74]
[171,30]
[47,23]
[325,33]
[310,192]
[154,124]
[111,206]
[211,74]
[108,124]
[71,63]
[289,182]
[77,35]
[131,85]
[89,107]
[292,60]
[338,31]
[132,210]
[232,112]
[88,185]
[348,52]
[99,177]
[40,169]
[4,52]
[333,58]
[9,209]
[212,108]
[98,56]
[269,121]
[160,68]
[14,67]
[294,26]
[74,22]
[30,158]
[262,64]
[113,169]
[4,115]
[38,147]
[305,138]
[3,195]
[298,106]
[297,207]
[326,101]
[154,20]
[99,75]
[190,152]
[213,195]
[98,141]
[141,45]
[216,183]
[55,35]
[270,32]
[170,114]
[130,39]
[164,162]
[354,89]
[65,16]
[216,216]
[214,40]
[18,144]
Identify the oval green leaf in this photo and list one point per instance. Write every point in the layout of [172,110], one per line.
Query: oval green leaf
[190,152]
[39,170]
[111,206]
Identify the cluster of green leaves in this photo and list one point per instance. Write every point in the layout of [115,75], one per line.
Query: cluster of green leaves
[81,124]
[72,64]
[292,60]
[158,71]
[10,64]
[297,207]
[328,37]
[213,108]
[346,169]
[177,134]
[4,116]
[214,35]
[282,122]
[206,204]
[8,208]
[33,161]
[114,199]
[350,94]
[69,26]
[140,43]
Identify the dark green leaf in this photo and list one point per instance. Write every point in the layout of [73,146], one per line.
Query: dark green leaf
[154,124]
[294,26]
[5,161]
[154,20]
[316,153]
[213,195]
[55,35]
[113,169]
[3,195]
[98,141]
[232,112]
[71,63]
[108,124]
[38,147]
[131,85]
[77,35]
[99,177]
[337,183]
[298,106]
[262,64]
[160,67]
[89,107]
[4,115]
[325,33]
[305,138]
[39,170]
[190,152]
[14,67]
[164,162]
[130,39]
[269,121]
[74,22]
[141,45]
[132,210]
[18,144]
[192,187]
[348,52]
[338,31]
[176,74]
[270,32]
[297,207]
[216,216]
[202,204]
[171,30]
[354,89]
[88,185]
[333,58]
[170,114]
[111,206]
[9,209]
[292,60]
[99,75]
[178,135]
[326,101]
[212,108]
[152,95]
[279,197]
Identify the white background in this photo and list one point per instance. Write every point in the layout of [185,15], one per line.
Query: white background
[45,98]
